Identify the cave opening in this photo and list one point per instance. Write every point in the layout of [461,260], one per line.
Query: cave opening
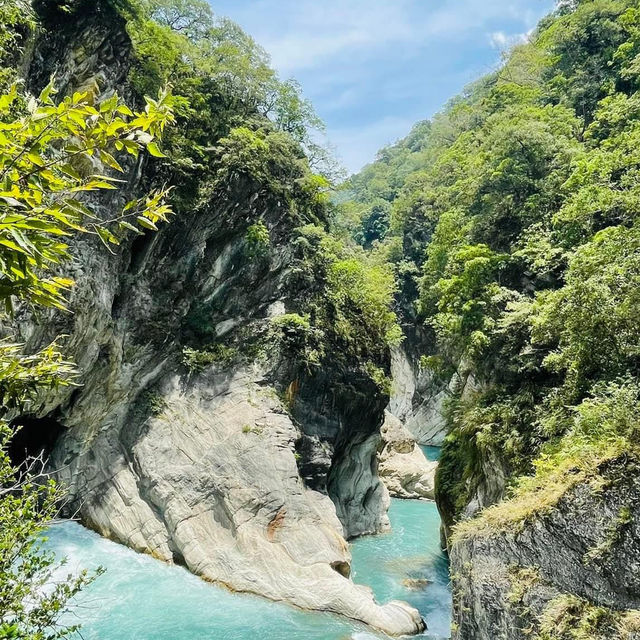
[33,437]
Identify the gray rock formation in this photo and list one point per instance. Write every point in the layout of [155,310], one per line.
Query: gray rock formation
[417,399]
[575,565]
[402,466]
[210,481]
[341,415]
[250,470]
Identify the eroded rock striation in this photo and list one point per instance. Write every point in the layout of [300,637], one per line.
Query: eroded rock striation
[417,398]
[572,567]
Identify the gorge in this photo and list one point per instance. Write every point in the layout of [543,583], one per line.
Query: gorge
[227,414]
[141,597]
[258,373]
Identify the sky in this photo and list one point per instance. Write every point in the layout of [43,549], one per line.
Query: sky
[373,68]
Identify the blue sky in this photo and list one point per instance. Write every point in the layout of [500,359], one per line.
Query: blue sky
[373,68]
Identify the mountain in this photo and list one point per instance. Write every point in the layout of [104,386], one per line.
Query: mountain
[511,220]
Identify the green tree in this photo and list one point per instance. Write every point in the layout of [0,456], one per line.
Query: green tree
[52,156]
[190,17]
[224,74]
[17,20]
[519,204]
[375,222]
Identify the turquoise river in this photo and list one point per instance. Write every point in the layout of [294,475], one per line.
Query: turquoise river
[139,598]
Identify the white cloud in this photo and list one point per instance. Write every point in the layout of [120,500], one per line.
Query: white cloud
[385,63]
[307,34]
[501,41]
[498,39]
[323,31]
[345,98]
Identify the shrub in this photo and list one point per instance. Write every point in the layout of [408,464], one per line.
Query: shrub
[197,361]
[295,334]
[362,296]
[379,377]
[603,427]
[257,240]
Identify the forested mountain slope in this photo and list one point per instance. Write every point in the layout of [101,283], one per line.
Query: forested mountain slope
[512,220]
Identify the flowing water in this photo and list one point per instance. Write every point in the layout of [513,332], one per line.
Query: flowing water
[408,564]
[431,453]
[140,598]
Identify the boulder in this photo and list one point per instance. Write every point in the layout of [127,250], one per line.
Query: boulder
[402,466]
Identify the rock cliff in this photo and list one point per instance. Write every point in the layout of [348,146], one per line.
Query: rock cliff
[244,465]
[417,398]
[403,467]
[569,571]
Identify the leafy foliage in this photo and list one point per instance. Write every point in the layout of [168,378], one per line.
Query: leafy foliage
[602,427]
[517,209]
[275,162]
[31,610]
[348,302]
[221,71]
[52,155]
[197,361]
[296,336]
[18,20]
[257,239]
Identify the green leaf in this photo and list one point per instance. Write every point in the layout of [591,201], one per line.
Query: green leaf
[124,110]
[127,225]
[68,170]
[13,202]
[146,223]
[107,236]
[110,161]
[8,99]
[109,105]
[153,149]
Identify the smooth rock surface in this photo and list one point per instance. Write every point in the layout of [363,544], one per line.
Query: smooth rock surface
[211,481]
[417,399]
[402,466]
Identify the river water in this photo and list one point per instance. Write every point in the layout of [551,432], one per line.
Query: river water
[140,598]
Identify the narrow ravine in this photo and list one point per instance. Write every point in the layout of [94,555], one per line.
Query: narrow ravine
[408,564]
[141,598]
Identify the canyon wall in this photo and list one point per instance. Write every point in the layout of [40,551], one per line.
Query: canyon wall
[250,469]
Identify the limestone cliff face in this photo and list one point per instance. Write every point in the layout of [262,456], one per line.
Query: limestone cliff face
[574,567]
[403,467]
[250,471]
[417,398]
[342,414]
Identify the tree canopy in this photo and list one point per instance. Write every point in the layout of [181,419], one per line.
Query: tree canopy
[517,211]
